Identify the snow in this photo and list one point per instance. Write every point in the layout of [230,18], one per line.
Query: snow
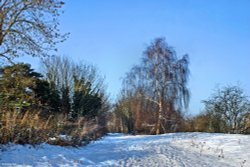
[175,149]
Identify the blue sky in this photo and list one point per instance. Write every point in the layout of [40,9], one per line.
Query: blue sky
[112,35]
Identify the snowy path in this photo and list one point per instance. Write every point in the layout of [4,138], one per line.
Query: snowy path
[181,149]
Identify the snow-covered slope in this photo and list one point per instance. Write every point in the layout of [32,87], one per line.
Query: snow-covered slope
[179,149]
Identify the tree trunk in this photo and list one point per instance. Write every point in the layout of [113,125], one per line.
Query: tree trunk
[159,117]
[138,117]
[1,26]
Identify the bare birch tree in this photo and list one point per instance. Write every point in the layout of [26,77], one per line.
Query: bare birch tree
[162,78]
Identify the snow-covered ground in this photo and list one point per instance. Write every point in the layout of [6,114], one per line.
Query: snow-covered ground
[177,149]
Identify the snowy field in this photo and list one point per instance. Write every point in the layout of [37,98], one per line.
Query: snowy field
[179,149]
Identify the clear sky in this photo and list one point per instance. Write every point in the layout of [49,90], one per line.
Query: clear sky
[112,34]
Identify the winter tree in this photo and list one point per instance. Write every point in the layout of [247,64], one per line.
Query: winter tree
[161,79]
[231,106]
[29,27]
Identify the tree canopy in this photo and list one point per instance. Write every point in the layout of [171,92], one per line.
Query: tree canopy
[29,27]
[17,85]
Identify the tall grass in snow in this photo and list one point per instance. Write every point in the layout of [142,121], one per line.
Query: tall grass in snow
[33,128]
